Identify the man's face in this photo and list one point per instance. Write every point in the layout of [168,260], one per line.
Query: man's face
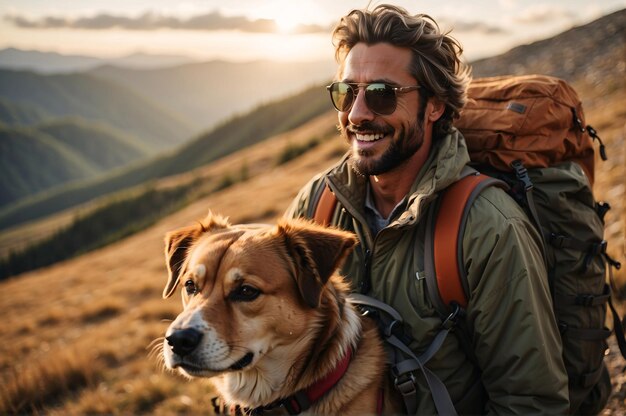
[381,143]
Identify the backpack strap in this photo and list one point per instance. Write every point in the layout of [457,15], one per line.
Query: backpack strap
[446,279]
[405,363]
[325,205]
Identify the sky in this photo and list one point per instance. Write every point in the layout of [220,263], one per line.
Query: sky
[289,30]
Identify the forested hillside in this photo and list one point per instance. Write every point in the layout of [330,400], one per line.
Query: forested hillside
[230,136]
[93,98]
[53,153]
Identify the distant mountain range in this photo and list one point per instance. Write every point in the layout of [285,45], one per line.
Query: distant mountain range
[53,62]
[205,93]
[93,98]
[38,158]
[592,54]
[265,121]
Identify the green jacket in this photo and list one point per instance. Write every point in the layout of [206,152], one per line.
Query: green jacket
[514,334]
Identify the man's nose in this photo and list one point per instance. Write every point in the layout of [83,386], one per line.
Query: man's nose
[360,112]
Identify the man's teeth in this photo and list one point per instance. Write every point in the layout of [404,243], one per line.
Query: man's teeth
[369,137]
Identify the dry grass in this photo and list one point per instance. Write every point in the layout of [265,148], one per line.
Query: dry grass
[81,330]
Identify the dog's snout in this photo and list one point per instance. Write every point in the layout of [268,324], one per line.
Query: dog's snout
[184,341]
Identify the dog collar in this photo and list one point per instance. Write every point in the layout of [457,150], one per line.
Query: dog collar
[305,398]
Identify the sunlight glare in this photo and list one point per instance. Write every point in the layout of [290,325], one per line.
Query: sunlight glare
[287,16]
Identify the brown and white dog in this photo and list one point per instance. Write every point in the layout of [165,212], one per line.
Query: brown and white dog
[266,318]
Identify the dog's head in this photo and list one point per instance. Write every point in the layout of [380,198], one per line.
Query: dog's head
[249,291]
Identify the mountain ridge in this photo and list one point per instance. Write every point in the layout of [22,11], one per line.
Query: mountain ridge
[95,99]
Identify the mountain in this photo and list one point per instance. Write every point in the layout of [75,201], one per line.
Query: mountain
[209,92]
[592,51]
[93,98]
[14,114]
[53,62]
[53,153]
[103,147]
[33,161]
[230,136]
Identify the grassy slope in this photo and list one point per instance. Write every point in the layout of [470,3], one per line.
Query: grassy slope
[76,306]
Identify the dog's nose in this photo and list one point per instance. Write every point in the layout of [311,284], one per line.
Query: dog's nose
[184,341]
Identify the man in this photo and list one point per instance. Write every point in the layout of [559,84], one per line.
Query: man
[400,85]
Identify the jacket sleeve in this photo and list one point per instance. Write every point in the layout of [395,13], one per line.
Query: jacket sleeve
[515,335]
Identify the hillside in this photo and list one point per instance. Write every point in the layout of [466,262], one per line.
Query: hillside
[208,93]
[33,161]
[20,114]
[84,333]
[93,98]
[39,158]
[104,147]
[230,136]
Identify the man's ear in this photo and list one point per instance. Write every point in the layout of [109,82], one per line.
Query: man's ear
[177,244]
[434,109]
[316,252]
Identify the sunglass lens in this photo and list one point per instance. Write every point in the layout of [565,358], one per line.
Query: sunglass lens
[380,98]
[342,96]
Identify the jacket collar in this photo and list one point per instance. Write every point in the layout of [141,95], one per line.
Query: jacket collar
[443,167]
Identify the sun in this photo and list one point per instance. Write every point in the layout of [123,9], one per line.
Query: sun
[287,15]
[286,22]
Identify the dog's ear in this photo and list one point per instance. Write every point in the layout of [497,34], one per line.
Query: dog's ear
[177,244]
[316,252]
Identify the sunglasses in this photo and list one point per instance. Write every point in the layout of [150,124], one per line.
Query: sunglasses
[380,98]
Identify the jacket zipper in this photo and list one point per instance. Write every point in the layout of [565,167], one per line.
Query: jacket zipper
[365,285]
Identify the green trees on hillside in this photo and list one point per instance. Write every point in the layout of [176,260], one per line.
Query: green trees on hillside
[119,218]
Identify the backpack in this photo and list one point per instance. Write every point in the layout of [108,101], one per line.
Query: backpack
[527,134]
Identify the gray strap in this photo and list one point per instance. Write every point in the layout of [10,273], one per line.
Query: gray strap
[438,390]
[405,382]
[360,299]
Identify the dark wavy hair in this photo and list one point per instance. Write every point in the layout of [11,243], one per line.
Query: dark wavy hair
[436,56]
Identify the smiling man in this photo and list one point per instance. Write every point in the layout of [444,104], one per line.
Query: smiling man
[400,85]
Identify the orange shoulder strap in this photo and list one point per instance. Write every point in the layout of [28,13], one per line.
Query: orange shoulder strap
[445,271]
[325,207]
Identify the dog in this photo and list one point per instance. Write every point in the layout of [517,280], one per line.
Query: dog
[267,319]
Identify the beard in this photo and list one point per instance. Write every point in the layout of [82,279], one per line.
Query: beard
[401,148]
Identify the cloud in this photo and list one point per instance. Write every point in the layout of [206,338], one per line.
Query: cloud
[460,26]
[543,13]
[151,21]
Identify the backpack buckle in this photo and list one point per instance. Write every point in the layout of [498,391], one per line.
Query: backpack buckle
[405,384]
[522,174]
[389,330]
[450,321]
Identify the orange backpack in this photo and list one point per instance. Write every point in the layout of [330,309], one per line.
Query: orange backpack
[528,134]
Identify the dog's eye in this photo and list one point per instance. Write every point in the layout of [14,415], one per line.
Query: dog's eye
[245,293]
[190,287]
